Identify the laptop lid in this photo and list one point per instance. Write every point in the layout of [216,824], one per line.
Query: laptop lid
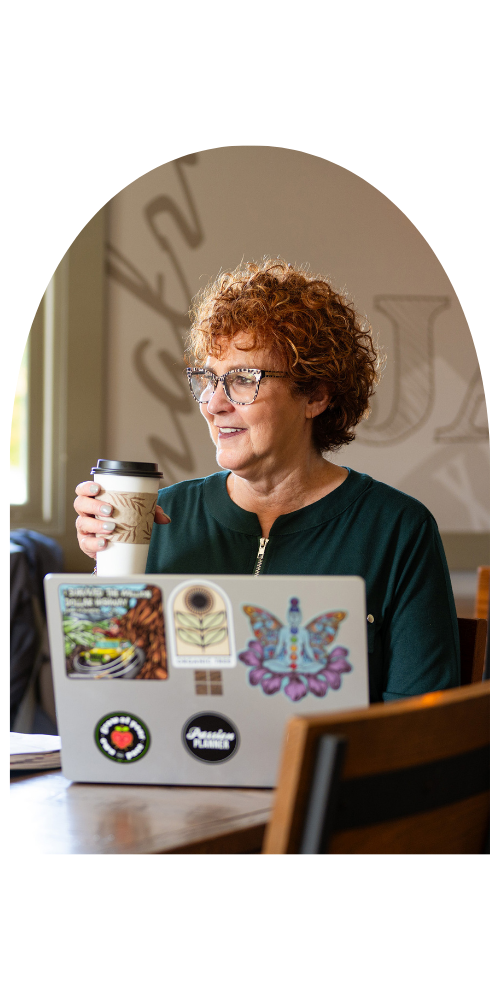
[171,679]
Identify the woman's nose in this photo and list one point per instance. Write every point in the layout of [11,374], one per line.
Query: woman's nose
[219,401]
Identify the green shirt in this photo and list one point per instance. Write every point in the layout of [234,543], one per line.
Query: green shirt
[362,528]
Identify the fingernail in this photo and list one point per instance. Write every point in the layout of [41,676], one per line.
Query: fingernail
[94,489]
[108,526]
[101,542]
[105,509]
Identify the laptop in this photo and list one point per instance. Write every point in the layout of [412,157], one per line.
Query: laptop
[182,680]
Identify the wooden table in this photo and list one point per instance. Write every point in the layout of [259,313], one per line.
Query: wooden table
[51,815]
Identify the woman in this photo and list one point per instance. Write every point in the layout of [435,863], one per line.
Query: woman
[283,371]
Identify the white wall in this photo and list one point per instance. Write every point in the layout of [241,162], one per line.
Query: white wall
[170,232]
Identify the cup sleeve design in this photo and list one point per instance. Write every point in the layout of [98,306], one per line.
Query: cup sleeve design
[133,514]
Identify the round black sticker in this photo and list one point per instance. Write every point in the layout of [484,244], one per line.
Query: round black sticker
[211,738]
[122,737]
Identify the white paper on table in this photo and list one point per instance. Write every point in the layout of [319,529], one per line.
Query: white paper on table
[34,750]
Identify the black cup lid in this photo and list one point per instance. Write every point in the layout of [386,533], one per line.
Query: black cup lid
[147,470]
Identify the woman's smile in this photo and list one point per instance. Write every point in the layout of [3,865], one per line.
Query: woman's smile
[227,431]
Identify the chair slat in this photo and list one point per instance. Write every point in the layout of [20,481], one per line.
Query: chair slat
[324,793]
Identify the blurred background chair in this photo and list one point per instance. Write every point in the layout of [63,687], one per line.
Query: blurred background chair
[471,591]
[32,708]
[482,606]
[473,633]
[406,777]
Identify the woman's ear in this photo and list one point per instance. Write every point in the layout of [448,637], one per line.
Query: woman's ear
[317,401]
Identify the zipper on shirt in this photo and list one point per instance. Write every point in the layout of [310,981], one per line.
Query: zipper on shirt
[260,555]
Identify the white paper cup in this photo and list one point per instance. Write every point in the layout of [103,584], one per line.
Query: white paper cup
[131,488]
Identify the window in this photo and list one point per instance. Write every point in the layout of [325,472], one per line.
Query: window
[37,453]
[58,417]
[19,437]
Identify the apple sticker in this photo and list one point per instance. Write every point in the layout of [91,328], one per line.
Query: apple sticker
[122,737]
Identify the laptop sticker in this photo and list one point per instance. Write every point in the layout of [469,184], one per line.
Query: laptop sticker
[211,738]
[122,737]
[201,628]
[113,632]
[208,682]
[294,658]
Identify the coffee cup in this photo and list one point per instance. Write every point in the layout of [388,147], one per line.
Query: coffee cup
[131,490]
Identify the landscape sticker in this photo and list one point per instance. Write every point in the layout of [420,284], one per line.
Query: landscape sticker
[122,737]
[113,632]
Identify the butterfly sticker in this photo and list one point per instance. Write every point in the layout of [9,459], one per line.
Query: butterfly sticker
[295,658]
[265,627]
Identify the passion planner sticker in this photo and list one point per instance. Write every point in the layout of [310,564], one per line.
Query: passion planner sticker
[210,737]
[113,632]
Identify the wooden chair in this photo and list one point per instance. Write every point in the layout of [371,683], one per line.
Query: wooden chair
[405,777]
[472,634]
[482,592]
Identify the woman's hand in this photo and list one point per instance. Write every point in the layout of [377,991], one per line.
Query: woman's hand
[92,534]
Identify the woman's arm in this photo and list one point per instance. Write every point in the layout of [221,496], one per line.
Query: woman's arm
[420,641]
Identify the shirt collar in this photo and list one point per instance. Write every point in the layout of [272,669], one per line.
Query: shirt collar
[224,510]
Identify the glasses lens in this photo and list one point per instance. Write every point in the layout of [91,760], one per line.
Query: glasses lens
[202,387]
[241,386]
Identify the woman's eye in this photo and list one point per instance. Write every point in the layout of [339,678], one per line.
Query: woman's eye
[243,380]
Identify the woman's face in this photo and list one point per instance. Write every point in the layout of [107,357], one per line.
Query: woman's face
[268,435]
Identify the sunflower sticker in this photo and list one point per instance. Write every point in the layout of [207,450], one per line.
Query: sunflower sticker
[201,628]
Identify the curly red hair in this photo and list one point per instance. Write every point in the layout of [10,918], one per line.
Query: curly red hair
[315,331]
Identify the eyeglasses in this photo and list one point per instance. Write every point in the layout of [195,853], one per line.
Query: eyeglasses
[241,385]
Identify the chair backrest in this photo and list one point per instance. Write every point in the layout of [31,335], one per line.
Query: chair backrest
[482,592]
[414,780]
[472,634]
